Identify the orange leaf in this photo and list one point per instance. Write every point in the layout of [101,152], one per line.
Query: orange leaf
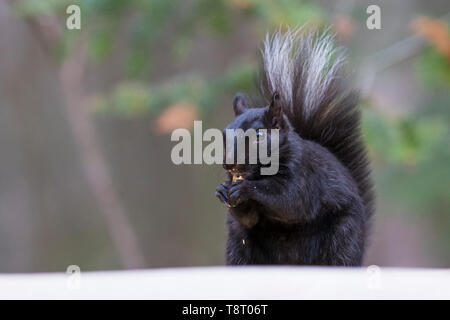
[241,4]
[435,32]
[178,115]
[344,26]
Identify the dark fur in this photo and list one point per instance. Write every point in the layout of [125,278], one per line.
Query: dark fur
[316,209]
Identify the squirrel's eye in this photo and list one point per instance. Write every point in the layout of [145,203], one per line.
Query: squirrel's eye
[260,134]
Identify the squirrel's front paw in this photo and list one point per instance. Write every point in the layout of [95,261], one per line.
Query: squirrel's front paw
[222,192]
[239,192]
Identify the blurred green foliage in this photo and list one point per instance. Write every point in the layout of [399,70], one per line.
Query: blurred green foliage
[132,98]
[434,68]
[406,140]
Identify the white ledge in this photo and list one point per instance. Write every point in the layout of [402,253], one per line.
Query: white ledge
[233,283]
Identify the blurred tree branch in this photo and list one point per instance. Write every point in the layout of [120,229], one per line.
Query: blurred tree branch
[387,57]
[93,161]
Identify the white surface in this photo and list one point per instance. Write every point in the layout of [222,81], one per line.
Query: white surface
[233,283]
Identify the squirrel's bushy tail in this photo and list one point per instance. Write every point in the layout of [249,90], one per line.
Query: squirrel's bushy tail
[306,69]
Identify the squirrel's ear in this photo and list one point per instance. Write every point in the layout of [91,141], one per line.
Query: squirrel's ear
[276,112]
[239,104]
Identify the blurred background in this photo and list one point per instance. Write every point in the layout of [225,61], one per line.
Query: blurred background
[86,117]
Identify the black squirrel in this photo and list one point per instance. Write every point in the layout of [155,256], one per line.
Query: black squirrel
[316,209]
